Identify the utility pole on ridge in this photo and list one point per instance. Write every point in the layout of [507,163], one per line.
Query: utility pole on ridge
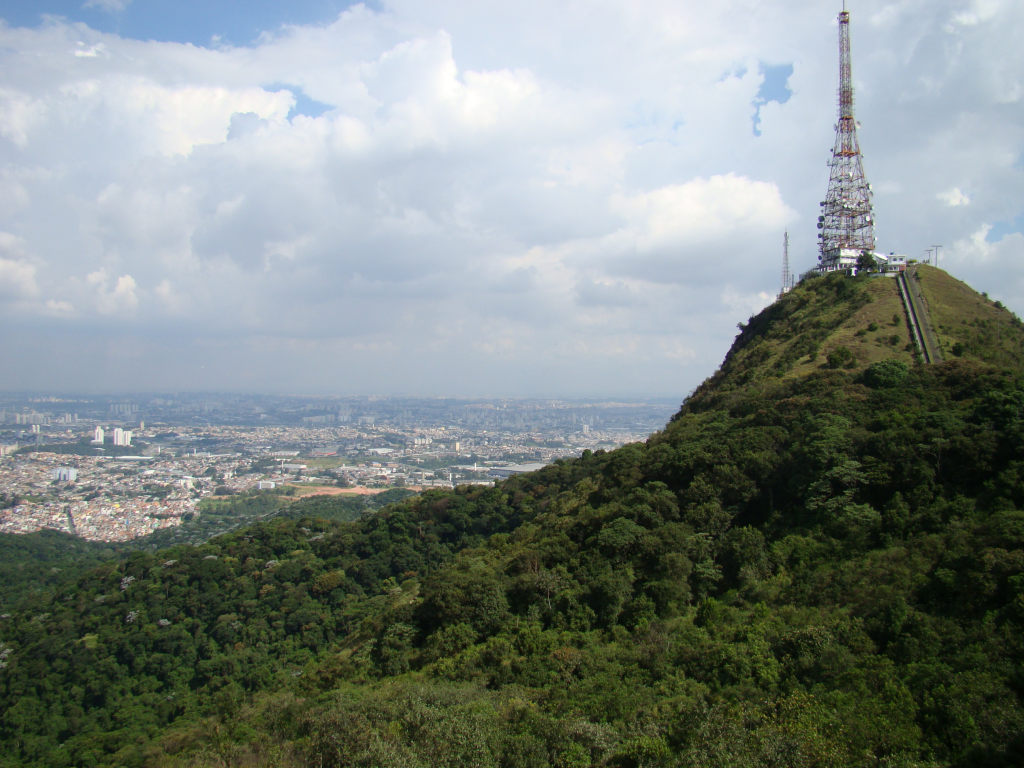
[787,277]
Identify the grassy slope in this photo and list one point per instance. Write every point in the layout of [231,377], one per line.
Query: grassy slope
[960,314]
[794,336]
[872,346]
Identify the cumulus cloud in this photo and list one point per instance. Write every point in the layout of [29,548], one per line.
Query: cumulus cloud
[528,198]
[974,258]
[17,273]
[118,299]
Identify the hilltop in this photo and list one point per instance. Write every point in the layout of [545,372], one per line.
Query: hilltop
[837,322]
[818,562]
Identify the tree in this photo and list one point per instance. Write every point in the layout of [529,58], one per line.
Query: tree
[885,373]
[866,262]
[840,357]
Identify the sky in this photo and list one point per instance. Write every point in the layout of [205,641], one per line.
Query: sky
[445,197]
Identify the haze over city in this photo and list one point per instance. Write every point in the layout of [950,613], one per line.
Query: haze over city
[468,198]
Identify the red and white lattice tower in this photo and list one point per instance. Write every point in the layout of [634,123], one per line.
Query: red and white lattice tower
[847,223]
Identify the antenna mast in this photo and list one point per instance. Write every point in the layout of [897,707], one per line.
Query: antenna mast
[847,221]
[787,277]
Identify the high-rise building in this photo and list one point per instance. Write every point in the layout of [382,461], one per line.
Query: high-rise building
[847,223]
[97,435]
[122,436]
[65,474]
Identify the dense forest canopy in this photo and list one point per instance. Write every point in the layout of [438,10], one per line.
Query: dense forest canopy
[813,565]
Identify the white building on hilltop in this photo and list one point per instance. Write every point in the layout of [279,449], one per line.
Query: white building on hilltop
[97,435]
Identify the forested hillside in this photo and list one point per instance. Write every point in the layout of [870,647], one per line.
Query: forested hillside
[36,561]
[805,568]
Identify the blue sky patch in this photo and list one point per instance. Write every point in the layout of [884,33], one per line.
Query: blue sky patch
[1003,228]
[304,105]
[233,22]
[307,106]
[775,87]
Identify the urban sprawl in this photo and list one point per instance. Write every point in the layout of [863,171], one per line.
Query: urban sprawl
[113,470]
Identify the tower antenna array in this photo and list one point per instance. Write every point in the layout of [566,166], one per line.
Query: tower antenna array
[847,221]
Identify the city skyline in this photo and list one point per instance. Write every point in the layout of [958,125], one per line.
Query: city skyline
[449,197]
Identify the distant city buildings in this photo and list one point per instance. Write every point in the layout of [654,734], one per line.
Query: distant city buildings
[190,449]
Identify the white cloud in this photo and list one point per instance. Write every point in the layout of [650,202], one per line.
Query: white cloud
[184,117]
[59,308]
[91,52]
[954,197]
[18,113]
[121,299]
[702,211]
[17,273]
[17,279]
[532,197]
[750,304]
[974,257]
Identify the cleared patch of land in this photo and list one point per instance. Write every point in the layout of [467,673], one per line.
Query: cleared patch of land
[304,490]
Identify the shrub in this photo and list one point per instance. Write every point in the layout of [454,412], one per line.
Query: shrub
[839,357]
[885,374]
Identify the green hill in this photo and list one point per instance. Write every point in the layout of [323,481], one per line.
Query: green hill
[840,322]
[819,562]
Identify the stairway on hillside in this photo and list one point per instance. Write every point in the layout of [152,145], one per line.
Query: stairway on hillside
[918,317]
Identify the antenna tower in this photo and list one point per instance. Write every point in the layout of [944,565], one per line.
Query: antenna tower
[787,276]
[847,222]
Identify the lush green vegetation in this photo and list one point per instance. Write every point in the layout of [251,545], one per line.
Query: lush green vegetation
[219,515]
[815,570]
[33,562]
